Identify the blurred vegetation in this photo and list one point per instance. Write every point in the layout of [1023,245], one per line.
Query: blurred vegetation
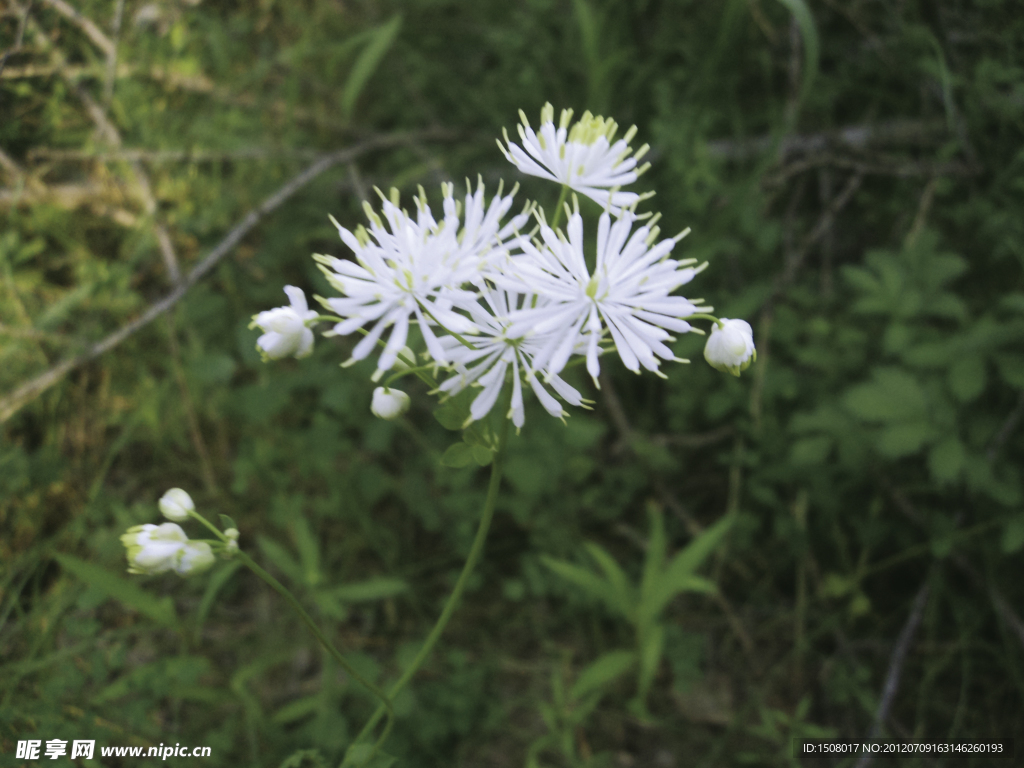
[853,171]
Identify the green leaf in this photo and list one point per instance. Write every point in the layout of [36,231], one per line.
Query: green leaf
[654,561]
[618,594]
[226,523]
[967,378]
[1013,534]
[482,455]
[309,549]
[904,439]
[452,414]
[810,450]
[363,756]
[809,35]
[458,456]
[159,609]
[371,589]
[946,460]
[601,672]
[679,576]
[862,279]
[280,557]
[1011,369]
[304,758]
[589,581]
[297,709]
[1014,302]
[367,62]
[836,585]
[217,580]
[650,658]
[894,395]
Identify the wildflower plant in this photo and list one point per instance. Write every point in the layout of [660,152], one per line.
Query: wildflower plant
[485,307]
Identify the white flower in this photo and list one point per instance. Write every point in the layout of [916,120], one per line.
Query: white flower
[231,546]
[627,294]
[176,504]
[389,403]
[582,157]
[731,346]
[286,332]
[492,353]
[195,557]
[414,269]
[154,548]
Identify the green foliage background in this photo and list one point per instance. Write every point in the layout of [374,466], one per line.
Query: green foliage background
[852,170]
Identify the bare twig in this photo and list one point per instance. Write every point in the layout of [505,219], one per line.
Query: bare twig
[892,677]
[1002,608]
[824,223]
[923,207]
[1006,430]
[828,240]
[108,80]
[629,437]
[695,440]
[142,184]
[85,24]
[18,38]
[63,195]
[876,165]
[28,391]
[904,132]
[169,155]
[10,165]
[357,181]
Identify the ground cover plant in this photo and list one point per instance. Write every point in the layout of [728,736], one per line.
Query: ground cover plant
[851,172]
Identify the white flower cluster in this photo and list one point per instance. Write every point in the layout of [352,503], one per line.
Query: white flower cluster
[495,306]
[160,548]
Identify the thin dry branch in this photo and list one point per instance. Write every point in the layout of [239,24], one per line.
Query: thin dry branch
[169,155]
[85,24]
[897,132]
[892,677]
[1002,608]
[1006,430]
[27,392]
[18,38]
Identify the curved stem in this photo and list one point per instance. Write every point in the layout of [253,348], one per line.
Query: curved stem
[283,591]
[704,317]
[453,600]
[559,205]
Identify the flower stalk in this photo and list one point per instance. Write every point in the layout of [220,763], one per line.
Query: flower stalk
[475,553]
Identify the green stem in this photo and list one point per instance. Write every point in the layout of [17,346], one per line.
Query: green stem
[449,607]
[297,607]
[559,205]
[456,336]
[704,317]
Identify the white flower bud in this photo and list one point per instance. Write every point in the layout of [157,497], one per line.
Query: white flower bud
[176,504]
[286,334]
[231,545]
[731,346]
[406,359]
[195,557]
[154,548]
[389,403]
